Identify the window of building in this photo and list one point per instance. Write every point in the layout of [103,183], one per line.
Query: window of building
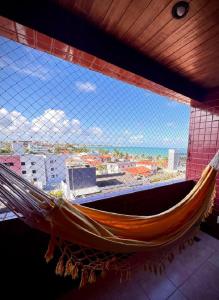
[23,163]
[51,161]
[24,172]
[52,176]
[34,179]
[33,163]
[34,171]
[9,164]
[52,169]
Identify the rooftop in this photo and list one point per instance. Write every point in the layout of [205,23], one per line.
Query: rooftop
[138,171]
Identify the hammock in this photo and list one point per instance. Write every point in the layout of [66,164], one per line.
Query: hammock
[90,240]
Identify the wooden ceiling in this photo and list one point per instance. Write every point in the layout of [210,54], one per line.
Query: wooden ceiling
[137,41]
[189,46]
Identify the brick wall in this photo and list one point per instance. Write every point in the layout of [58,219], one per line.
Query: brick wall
[203,138]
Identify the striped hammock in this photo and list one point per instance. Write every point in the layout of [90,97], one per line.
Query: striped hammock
[90,240]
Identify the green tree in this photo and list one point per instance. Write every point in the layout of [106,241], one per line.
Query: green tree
[56,193]
[103,151]
[6,149]
[80,149]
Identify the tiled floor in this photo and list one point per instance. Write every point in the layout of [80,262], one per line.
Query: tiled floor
[194,275]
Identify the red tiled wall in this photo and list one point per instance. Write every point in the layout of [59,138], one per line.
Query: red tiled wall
[203,138]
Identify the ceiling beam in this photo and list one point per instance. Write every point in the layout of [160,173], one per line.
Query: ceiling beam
[49,18]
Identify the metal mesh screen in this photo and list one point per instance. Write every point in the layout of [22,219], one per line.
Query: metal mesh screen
[77,133]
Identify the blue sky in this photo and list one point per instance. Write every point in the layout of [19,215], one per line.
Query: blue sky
[46,98]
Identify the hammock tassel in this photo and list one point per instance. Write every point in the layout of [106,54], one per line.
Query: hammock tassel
[92,276]
[51,249]
[68,267]
[60,267]
[84,278]
[107,264]
[74,272]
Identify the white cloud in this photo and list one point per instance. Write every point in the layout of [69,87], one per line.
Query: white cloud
[75,123]
[51,121]
[53,125]
[5,118]
[98,132]
[32,69]
[13,124]
[85,86]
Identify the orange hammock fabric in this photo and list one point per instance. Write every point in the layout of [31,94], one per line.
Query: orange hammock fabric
[125,233]
[104,231]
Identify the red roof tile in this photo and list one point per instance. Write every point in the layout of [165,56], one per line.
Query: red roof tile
[139,171]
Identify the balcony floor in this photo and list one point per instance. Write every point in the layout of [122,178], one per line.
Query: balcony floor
[194,274]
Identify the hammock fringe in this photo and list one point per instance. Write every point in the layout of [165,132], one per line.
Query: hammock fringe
[87,273]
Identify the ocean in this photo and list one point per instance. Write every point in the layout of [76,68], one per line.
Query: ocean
[147,151]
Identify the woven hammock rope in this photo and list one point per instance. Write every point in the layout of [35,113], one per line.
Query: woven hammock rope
[89,240]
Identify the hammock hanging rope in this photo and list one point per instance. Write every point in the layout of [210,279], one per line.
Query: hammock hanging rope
[70,224]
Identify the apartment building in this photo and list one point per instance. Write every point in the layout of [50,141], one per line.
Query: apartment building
[55,168]
[33,169]
[120,166]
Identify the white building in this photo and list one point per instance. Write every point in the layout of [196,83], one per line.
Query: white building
[112,168]
[173,159]
[55,168]
[40,148]
[18,148]
[44,170]
[33,169]
[120,166]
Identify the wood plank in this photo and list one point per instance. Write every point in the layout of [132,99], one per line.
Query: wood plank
[203,58]
[98,10]
[157,36]
[192,48]
[81,6]
[115,12]
[131,16]
[187,32]
[154,26]
[204,46]
[209,65]
[149,14]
